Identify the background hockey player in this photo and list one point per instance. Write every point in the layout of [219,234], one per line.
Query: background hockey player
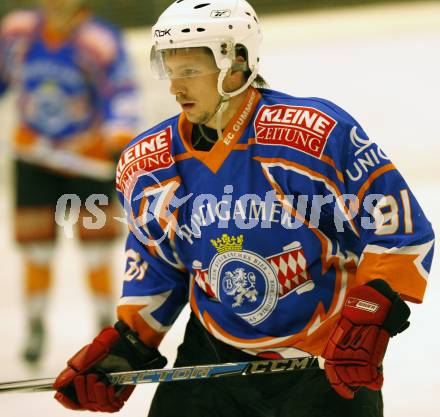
[76,110]
[251,205]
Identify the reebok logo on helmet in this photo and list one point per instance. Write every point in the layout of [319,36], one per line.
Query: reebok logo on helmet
[220,13]
[158,33]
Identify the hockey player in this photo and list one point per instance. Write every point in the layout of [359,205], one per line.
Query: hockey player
[286,229]
[76,111]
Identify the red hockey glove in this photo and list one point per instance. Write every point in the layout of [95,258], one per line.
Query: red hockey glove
[83,386]
[355,350]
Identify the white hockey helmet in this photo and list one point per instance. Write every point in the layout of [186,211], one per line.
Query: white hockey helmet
[219,25]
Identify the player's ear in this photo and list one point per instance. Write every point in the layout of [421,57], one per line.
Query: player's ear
[239,65]
[235,77]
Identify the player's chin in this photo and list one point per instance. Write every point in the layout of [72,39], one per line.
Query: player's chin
[191,118]
[194,117]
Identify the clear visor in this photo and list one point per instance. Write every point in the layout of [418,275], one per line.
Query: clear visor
[182,62]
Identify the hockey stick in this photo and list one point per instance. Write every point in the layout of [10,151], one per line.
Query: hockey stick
[187,373]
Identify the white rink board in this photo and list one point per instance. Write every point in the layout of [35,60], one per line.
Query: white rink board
[382,65]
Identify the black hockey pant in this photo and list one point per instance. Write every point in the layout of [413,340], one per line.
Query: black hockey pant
[296,394]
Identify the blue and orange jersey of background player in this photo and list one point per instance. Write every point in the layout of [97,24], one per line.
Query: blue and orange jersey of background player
[76,91]
[265,234]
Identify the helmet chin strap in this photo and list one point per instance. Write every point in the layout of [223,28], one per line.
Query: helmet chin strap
[225,96]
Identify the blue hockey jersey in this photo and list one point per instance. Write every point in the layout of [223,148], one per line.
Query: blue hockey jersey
[76,91]
[265,233]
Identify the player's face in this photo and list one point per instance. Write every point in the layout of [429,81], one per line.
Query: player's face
[193,76]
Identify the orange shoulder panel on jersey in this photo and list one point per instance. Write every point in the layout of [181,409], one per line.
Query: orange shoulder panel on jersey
[18,23]
[99,42]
